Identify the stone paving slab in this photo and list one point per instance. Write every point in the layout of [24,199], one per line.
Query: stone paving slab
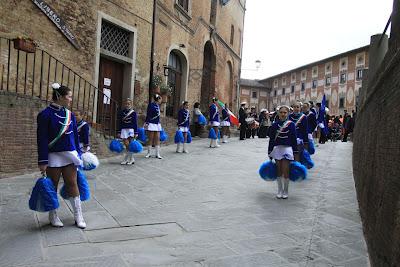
[205,208]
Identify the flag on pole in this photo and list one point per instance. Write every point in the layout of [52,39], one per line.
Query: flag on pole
[234,120]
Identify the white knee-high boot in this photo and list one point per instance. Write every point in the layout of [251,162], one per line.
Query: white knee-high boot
[212,143]
[148,155]
[54,220]
[131,159]
[126,158]
[185,148]
[178,148]
[280,188]
[216,143]
[285,194]
[76,206]
[158,152]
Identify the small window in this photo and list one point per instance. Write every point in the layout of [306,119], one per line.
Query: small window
[341,102]
[314,84]
[275,93]
[232,34]
[303,86]
[359,74]
[292,88]
[184,4]
[254,94]
[327,80]
[283,91]
[343,77]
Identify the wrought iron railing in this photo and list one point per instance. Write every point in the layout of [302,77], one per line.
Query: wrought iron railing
[31,75]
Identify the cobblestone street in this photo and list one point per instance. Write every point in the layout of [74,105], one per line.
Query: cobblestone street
[205,208]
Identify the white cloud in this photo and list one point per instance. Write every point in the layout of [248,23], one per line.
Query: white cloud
[287,34]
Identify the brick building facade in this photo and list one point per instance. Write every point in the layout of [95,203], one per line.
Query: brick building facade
[200,43]
[255,94]
[102,49]
[338,77]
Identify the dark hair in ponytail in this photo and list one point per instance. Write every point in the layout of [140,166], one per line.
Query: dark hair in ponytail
[62,91]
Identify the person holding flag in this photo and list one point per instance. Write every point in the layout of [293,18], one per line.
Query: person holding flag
[225,123]
[322,127]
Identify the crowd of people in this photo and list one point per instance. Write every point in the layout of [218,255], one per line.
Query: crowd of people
[63,136]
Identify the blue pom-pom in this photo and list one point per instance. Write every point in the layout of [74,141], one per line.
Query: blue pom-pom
[211,134]
[306,159]
[189,137]
[268,171]
[202,120]
[163,136]
[44,196]
[135,146]
[142,135]
[297,171]
[311,147]
[83,186]
[116,146]
[179,137]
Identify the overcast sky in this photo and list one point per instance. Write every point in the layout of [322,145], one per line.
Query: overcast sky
[285,34]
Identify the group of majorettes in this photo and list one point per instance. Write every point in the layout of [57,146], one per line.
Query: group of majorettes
[289,135]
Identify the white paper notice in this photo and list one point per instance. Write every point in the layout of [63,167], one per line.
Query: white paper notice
[107,96]
[107,81]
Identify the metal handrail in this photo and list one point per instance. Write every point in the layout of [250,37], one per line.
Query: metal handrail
[31,74]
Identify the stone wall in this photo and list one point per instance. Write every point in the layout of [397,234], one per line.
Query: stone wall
[376,161]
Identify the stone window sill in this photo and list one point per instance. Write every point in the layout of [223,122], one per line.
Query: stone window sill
[183,11]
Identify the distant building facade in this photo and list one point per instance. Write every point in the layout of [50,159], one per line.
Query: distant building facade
[338,77]
[255,94]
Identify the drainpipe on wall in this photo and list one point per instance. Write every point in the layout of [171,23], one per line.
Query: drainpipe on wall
[153,33]
[240,65]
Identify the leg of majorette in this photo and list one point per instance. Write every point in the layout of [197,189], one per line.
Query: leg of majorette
[54,174]
[178,148]
[126,157]
[216,133]
[285,168]
[279,179]
[185,143]
[70,179]
[157,144]
[131,159]
[150,143]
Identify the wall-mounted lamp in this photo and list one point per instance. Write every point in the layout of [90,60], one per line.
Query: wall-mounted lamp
[182,45]
[258,64]
[166,70]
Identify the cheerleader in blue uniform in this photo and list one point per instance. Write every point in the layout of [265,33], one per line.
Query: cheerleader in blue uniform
[282,146]
[214,121]
[58,149]
[127,129]
[311,122]
[83,131]
[300,121]
[225,123]
[183,126]
[153,126]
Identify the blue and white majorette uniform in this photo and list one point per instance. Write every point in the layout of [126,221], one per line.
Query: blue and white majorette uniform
[312,123]
[214,115]
[226,121]
[153,117]
[282,140]
[83,132]
[183,120]
[57,137]
[127,123]
[300,121]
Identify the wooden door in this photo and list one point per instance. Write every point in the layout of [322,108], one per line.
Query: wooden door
[111,76]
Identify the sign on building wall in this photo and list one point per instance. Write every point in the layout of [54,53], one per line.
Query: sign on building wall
[57,20]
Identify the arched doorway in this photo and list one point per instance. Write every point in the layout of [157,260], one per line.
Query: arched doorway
[208,77]
[175,82]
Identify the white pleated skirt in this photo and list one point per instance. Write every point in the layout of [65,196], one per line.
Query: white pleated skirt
[153,127]
[64,158]
[183,129]
[126,133]
[225,123]
[282,152]
[214,123]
